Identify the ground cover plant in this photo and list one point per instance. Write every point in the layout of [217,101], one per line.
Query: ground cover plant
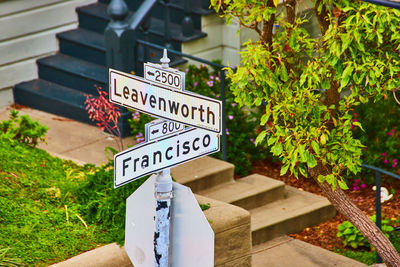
[311,85]
[48,205]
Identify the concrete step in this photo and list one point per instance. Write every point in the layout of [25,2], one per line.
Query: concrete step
[249,192]
[287,252]
[203,173]
[292,214]
[73,72]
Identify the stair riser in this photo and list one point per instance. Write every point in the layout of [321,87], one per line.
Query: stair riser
[261,199]
[82,52]
[92,23]
[71,80]
[293,225]
[225,175]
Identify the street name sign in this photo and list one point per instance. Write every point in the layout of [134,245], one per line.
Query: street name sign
[150,157]
[160,128]
[181,106]
[169,77]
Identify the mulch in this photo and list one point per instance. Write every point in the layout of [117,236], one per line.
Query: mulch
[324,234]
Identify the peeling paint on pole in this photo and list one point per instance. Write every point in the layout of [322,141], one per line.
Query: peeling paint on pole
[161,233]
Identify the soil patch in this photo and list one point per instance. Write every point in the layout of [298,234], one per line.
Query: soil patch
[324,234]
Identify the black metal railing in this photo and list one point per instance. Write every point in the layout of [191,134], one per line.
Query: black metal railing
[127,47]
[378,207]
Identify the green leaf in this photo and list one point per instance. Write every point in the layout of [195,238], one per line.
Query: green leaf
[310,159]
[284,169]
[315,147]
[321,178]
[277,149]
[260,137]
[343,185]
[264,119]
[271,140]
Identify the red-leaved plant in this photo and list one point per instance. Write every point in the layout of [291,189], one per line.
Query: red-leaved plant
[106,114]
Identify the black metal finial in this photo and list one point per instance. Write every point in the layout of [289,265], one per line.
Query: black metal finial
[117,10]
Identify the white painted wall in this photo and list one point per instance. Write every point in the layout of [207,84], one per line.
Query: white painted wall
[28,29]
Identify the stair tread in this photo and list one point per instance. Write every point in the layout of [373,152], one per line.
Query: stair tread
[86,37]
[77,66]
[295,204]
[96,9]
[198,168]
[242,188]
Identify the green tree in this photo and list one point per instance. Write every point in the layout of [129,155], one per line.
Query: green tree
[310,86]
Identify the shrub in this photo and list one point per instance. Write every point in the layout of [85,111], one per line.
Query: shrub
[352,237]
[22,129]
[382,133]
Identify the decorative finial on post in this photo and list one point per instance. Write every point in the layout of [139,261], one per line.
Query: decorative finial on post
[117,10]
[165,60]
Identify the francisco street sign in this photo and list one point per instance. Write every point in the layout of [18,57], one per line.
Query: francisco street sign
[181,106]
[171,78]
[161,128]
[147,158]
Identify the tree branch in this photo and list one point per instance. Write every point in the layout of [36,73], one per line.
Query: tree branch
[323,16]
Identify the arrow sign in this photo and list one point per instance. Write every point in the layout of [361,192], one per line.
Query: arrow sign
[161,128]
[169,77]
[181,106]
[147,158]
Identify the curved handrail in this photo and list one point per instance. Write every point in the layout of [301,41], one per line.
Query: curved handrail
[381,171]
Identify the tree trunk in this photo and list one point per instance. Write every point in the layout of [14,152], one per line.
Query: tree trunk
[361,221]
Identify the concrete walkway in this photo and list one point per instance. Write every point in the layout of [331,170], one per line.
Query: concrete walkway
[82,143]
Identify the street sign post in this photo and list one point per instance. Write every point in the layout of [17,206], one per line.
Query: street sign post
[181,106]
[150,157]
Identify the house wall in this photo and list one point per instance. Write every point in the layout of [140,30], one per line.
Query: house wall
[28,30]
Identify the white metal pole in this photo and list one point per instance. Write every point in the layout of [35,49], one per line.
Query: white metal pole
[163,195]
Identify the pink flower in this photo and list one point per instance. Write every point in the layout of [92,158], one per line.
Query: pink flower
[385,161]
[391,133]
[357,181]
[355,120]
[363,185]
[195,84]
[230,117]
[210,83]
[383,154]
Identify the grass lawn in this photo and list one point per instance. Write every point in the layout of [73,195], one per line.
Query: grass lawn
[53,209]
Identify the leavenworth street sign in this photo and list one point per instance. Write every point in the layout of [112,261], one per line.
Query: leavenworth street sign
[181,106]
